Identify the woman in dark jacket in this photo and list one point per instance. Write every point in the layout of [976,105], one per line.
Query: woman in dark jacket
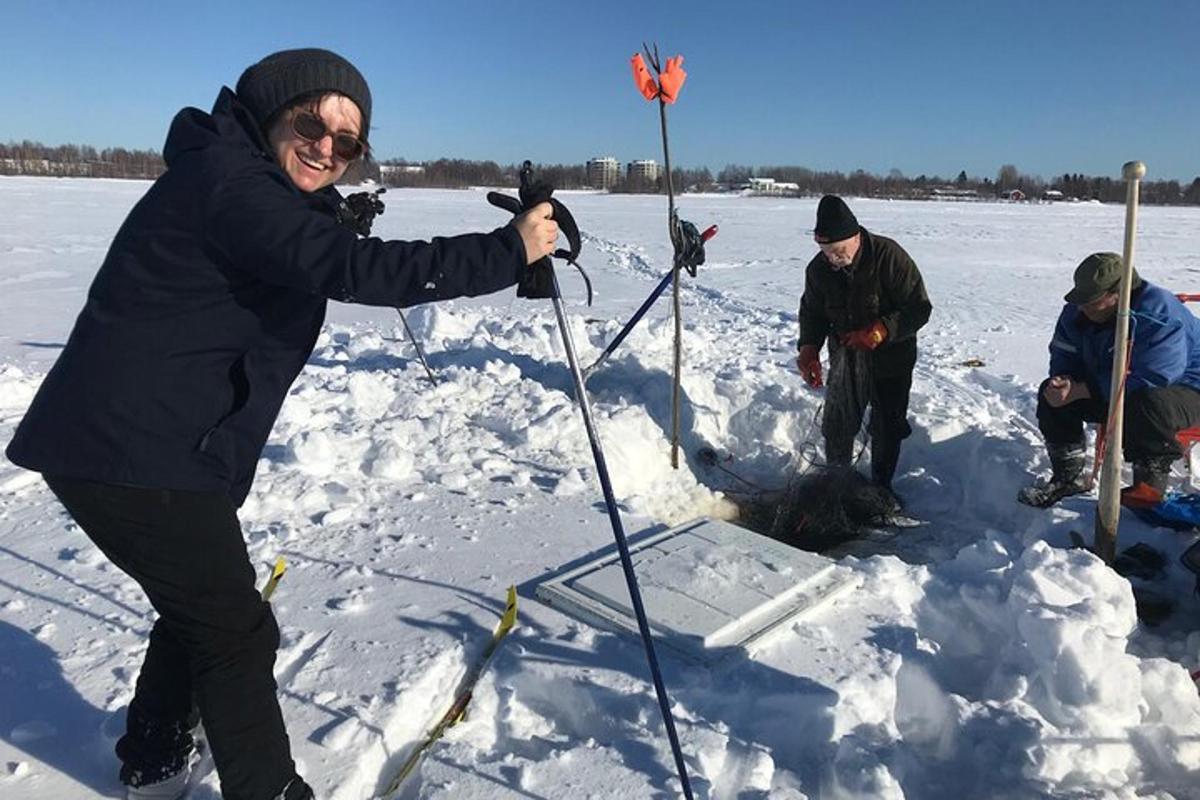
[150,424]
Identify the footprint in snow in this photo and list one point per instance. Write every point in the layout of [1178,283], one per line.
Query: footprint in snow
[353,602]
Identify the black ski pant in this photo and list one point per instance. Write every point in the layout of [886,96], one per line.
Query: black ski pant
[213,643]
[1152,418]
[853,388]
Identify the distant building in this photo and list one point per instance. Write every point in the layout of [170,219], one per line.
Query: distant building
[401,169]
[646,170]
[770,186]
[1052,195]
[603,172]
[952,193]
[1014,196]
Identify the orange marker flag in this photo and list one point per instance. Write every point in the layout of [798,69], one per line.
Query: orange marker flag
[671,79]
[642,79]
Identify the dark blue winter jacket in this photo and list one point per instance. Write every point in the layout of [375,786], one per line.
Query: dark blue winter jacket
[1166,344]
[207,306]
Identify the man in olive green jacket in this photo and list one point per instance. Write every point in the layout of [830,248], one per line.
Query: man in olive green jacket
[864,296]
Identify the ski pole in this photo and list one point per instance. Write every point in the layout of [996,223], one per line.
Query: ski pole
[710,232]
[614,517]
[417,346]
[634,320]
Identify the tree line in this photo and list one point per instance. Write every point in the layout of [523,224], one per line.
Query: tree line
[69,160]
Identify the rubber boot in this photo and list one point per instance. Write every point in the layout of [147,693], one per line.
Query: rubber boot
[1067,477]
[885,455]
[1150,476]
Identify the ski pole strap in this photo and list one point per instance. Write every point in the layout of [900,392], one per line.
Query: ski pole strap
[537,282]
[689,244]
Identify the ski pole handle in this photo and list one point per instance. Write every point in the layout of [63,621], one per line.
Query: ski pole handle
[711,231]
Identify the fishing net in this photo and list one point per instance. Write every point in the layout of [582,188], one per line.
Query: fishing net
[827,501]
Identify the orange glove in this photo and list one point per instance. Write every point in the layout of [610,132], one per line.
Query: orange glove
[809,362]
[671,79]
[866,338]
[642,79]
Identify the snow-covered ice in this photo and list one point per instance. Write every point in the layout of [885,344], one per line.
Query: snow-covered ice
[977,657]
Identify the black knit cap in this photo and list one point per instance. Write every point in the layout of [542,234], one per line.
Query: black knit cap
[267,87]
[835,220]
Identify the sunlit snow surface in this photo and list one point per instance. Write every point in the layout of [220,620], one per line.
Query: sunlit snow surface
[986,661]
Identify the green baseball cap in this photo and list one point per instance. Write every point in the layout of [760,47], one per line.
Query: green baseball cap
[1096,276]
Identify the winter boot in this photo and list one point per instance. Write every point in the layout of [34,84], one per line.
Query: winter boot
[1066,479]
[1150,476]
[296,789]
[169,788]
[158,756]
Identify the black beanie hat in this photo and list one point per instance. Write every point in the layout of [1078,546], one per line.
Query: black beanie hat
[835,220]
[267,87]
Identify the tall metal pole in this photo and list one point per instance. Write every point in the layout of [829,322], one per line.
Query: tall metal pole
[673,223]
[1108,510]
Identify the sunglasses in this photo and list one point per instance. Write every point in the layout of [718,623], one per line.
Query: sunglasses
[311,128]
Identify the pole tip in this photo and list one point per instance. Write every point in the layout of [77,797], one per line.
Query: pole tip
[1133,170]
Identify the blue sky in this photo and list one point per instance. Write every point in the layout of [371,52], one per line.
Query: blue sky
[1052,86]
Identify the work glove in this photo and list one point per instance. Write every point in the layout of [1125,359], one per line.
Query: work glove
[642,78]
[809,362]
[671,79]
[866,338]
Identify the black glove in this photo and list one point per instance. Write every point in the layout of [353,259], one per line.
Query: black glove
[358,211]
[537,282]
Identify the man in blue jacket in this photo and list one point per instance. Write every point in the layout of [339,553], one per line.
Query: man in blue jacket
[149,426]
[1162,389]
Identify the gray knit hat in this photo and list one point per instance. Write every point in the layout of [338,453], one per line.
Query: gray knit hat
[270,85]
[1096,276]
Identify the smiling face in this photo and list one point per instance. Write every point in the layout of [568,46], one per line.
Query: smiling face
[312,165]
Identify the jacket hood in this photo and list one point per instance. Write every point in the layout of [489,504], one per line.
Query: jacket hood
[232,127]
[230,124]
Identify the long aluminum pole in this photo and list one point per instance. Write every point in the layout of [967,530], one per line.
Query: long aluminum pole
[673,225]
[614,516]
[1108,510]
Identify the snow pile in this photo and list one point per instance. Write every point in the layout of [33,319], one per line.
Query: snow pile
[503,410]
[1017,674]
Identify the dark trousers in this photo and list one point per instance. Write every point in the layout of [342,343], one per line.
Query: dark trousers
[1152,418]
[854,386]
[214,641]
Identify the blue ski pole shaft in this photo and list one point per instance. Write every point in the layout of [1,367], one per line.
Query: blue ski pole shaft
[633,321]
[614,516]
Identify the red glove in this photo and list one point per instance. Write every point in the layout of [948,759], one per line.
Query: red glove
[642,79]
[671,79]
[866,338]
[809,362]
